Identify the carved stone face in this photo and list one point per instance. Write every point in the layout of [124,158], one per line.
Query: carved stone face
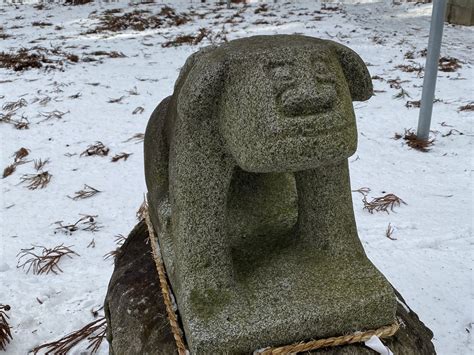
[287,109]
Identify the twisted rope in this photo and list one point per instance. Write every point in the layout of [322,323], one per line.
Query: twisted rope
[165,289]
[358,337]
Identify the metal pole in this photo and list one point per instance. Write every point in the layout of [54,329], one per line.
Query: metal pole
[431,69]
[228,4]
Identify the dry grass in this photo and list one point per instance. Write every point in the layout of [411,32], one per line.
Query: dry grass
[111,54]
[20,154]
[116,101]
[21,60]
[98,148]
[42,101]
[18,160]
[120,156]
[138,20]
[14,105]
[22,123]
[45,262]
[389,232]
[469,107]
[119,240]
[382,204]
[449,64]
[5,331]
[133,92]
[86,192]
[85,223]
[377,77]
[3,35]
[409,55]
[142,209]
[417,103]
[10,169]
[75,96]
[36,57]
[41,24]
[261,8]
[396,83]
[364,191]
[452,131]
[39,164]
[53,114]
[413,142]
[137,138]
[36,181]
[413,104]
[187,39]
[94,333]
[139,110]
[401,94]
[6,117]
[408,68]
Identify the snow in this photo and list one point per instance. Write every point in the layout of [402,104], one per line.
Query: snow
[430,262]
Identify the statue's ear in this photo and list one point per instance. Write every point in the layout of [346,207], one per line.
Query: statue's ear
[200,86]
[355,71]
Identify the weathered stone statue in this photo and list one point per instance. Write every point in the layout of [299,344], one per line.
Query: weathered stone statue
[249,194]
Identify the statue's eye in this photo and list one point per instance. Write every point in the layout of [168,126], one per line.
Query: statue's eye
[322,70]
[279,71]
[282,73]
[320,67]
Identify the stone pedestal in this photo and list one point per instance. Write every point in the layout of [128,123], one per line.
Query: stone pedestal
[460,12]
[136,315]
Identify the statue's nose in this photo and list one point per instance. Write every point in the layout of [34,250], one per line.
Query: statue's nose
[303,100]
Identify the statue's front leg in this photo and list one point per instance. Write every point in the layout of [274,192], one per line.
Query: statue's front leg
[325,213]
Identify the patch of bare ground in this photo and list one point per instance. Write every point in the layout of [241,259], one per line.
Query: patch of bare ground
[35,58]
[187,39]
[194,39]
[413,142]
[449,64]
[138,20]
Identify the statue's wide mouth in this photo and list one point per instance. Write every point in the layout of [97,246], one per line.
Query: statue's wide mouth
[310,125]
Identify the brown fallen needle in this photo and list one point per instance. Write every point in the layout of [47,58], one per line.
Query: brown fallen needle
[94,333]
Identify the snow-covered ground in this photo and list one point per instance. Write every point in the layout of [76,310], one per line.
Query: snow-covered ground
[430,262]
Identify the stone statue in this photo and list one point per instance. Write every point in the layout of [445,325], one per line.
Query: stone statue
[249,194]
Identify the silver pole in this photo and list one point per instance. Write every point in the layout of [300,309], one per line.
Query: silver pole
[228,4]
[431,69]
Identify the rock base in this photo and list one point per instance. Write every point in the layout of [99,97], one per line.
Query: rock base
[137,322]
[460,12]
